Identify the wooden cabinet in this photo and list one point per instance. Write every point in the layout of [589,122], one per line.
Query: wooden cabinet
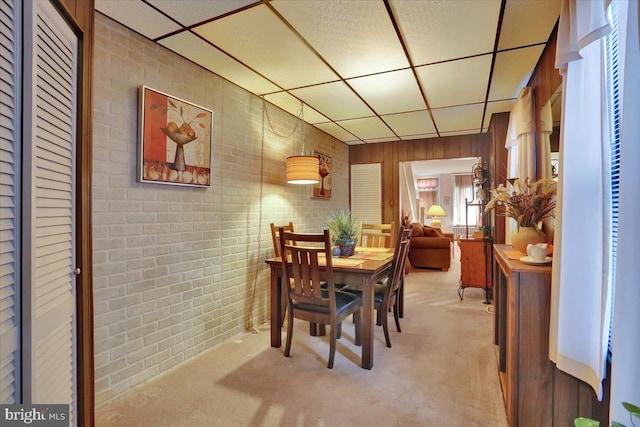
[536,393]
[476,264]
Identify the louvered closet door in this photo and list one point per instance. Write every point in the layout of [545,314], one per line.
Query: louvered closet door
[9,204]
[48,222]
[366,193]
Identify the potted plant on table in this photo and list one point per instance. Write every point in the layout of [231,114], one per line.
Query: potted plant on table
[344,231]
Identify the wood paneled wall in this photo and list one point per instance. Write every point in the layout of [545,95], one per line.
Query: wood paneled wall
[498,173]
[80,14]
[545,80]
[390,154]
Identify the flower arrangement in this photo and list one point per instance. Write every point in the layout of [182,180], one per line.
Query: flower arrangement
[526,202]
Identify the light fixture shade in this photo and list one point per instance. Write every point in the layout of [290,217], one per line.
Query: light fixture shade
[436,210]
[303,170]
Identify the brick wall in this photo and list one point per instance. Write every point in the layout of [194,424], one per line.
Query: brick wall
[178,270]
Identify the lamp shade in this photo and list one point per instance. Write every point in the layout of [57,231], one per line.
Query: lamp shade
[436,210]
[303,170]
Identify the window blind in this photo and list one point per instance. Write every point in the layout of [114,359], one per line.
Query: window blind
[613,107]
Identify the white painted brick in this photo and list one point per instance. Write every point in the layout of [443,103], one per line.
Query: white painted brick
[169,342]
[157,358]
[181,252]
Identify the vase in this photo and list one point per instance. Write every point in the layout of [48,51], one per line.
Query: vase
[524,236]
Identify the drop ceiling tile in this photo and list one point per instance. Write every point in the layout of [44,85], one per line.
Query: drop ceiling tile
[138,16]
[292,105]
[390,92]
[355,36]
[461,118]
[259,38]
[377,140]
[456,82]
[512,71]
[413,123]
[441,30]
[336,131]
[496,107]
[200,52]
[461,132]
[420,136]
[369,127]
[198,10]
[334,100]
[537,16]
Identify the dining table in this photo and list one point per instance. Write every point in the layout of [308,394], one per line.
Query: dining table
[362,270]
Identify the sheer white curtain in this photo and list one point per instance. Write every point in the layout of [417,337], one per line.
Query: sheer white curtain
[521,134]
[463,189]
[625,378]
[520,145]
[580,298]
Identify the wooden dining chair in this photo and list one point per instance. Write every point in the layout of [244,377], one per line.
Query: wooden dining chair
[275,236]
[377,235]
[306,298]
[387,291]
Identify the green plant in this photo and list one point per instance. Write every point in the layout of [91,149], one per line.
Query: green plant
[634,412]
[344,228]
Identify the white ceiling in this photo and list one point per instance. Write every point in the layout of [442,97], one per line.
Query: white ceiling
[366,70]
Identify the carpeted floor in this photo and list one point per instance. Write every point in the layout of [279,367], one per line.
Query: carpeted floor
[441,371]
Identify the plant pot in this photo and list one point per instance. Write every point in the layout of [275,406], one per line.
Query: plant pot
[347,249]
[524,236]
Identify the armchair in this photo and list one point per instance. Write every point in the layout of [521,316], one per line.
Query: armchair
[430,247]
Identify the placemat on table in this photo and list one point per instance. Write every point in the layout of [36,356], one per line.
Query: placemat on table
[365,249]
[371,255]
[346,262]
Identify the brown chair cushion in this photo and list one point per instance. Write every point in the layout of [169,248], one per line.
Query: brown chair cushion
[417,230]
[432,231]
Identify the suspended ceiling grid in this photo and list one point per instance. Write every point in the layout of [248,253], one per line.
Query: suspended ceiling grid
[365,71]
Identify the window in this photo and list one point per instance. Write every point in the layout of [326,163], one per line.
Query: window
[463,190]
[427,193]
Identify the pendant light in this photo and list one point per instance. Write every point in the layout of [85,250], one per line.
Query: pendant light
[303,169]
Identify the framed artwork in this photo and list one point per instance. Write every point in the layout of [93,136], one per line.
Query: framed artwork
[322,189]
[174,140]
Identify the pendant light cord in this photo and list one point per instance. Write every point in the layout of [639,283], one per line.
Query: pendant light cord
[258,263]
[299,117]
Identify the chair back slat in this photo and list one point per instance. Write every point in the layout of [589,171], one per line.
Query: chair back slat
[377,235]
[275,236]
[305,281]
[399,257]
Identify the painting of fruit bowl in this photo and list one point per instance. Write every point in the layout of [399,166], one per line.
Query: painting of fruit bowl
[175,140]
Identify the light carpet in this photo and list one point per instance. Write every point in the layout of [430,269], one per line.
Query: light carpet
[441,371]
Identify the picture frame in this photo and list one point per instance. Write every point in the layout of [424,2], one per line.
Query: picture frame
[174,140]
[322,190]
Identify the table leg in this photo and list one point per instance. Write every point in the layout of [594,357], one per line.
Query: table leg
[276,309]
[367,324]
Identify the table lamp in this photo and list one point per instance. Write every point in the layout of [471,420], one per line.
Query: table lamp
[436,212]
